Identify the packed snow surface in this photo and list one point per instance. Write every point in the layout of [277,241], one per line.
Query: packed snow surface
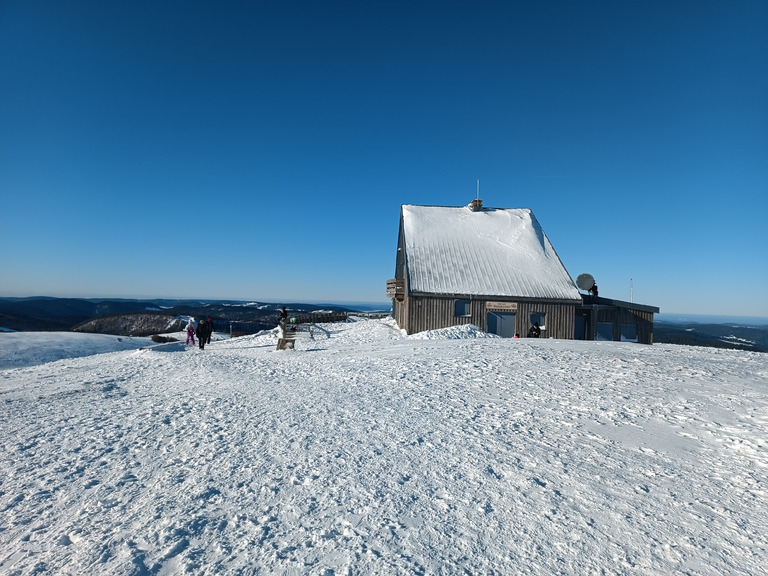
[28,348]
[365,451]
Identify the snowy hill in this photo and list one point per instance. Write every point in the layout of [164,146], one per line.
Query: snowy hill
[368,452]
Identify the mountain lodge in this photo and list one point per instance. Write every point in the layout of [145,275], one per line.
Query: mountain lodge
[496,268]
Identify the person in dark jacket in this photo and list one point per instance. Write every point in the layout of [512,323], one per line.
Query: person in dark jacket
[202,333]
[210,329]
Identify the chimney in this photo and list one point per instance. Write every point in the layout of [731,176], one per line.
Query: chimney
[476,205]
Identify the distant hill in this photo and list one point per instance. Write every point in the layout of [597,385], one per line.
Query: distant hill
[729,336]
[746,321]
[47,314]
[141,317]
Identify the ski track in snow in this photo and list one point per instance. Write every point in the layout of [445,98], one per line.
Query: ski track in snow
[368,452]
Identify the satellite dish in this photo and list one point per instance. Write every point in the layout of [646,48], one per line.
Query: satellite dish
[585,282]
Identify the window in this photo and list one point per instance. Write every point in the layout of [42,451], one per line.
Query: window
[539,318]
[629,332]
[604,331]
[462,308]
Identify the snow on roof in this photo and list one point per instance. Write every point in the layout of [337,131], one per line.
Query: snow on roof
[490,252]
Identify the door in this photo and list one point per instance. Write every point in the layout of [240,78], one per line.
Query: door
[580,332]
[501,324]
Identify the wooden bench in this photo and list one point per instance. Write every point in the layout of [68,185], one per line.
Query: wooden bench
[290,332]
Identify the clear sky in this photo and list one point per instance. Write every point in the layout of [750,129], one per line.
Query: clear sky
[262,150]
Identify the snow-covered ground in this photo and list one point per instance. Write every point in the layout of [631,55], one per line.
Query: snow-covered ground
[368,452]
[19,349]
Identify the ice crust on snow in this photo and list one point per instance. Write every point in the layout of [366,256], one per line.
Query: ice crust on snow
[491,252]
[365,451]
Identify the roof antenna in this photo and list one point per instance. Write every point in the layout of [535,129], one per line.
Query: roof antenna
[478,188]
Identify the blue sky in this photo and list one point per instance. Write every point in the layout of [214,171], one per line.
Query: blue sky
[262,150]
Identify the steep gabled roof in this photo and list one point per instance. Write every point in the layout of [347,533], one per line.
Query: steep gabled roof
[490,252]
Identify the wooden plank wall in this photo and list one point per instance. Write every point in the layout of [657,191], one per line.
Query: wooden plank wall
[619,316]
[560,318]
[431,313]
[420,313]
[399,309]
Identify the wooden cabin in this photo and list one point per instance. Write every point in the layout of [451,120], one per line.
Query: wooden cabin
[496,268]
[491,267]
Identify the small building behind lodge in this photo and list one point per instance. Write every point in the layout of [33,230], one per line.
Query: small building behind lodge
[605,319]
[496,268]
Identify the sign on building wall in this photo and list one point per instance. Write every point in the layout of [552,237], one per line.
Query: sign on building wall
[501,306]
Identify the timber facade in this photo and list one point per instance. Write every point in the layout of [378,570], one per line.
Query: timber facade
[605,319]
[504,317]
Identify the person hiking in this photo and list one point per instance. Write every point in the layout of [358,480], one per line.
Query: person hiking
[210,330]
[202,333]
[190,332]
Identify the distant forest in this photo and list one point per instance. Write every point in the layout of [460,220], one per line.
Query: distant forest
[712,335]
[141,317]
